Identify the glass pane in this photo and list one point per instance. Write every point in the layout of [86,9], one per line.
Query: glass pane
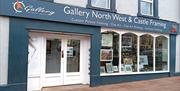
[73,55]
[101,3]
[146,8]
[129,53]
[161,53]
[146,53]
[53,56]
[109,56]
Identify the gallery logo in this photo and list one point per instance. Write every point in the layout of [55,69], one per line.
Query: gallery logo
[18,6]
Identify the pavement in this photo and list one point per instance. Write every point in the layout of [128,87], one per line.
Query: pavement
[162,84]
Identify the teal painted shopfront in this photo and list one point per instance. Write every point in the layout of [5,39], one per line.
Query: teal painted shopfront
[56,44]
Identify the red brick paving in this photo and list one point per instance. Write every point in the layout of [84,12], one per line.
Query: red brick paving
[163,84]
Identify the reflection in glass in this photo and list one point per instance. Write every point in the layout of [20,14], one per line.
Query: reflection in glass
[161,53]
[146,53]
[101,3]
[146,8]
[109,52]
[53,58]
[73,55]
[129,53]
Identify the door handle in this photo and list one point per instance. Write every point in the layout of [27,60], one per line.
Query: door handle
[62,53]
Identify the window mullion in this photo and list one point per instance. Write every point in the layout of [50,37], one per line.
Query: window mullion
[168,54]
[120,41]
[154,53]
[138,47]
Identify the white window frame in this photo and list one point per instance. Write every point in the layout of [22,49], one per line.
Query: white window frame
[148,1]
[108,4]
[154,35]
[4,44]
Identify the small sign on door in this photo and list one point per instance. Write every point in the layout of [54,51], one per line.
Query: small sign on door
[69,51]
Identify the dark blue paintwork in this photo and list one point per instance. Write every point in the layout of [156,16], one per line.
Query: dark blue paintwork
[18,45]
[172,54]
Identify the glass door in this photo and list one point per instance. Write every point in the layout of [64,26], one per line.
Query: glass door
[54,62]
[53,56]
[62,65]
[72,62]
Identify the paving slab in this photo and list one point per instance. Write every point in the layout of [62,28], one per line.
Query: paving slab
[162,84]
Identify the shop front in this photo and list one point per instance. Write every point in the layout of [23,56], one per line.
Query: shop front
[55,44]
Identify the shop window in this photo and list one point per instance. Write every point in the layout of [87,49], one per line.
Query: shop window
[138,53]
[109,57]
[148,8]
[161,53]
[105,5]
[129,53]
[146,53]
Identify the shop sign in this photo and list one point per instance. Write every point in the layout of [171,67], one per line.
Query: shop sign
[70,14]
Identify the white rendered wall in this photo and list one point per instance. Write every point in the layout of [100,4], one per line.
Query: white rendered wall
[4,40]
[129,7]
[169,10]
[178,53]
[81,3]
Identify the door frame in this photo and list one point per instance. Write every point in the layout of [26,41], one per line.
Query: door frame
[67,79]
[84,69]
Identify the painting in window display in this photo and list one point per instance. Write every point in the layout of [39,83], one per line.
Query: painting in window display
[109,67]
[161,53]
[106,55]
[107,40]
[128,68]
[129,52]
[102,69]
[146,50]
[143,60]
[115,68]
[127,41]
[110,54]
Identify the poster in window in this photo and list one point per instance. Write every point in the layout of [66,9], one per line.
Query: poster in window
[106,55]
[107,40]
[69,51]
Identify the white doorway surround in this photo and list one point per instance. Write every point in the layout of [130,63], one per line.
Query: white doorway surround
[57,59]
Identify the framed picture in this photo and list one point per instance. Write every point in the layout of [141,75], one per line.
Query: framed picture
[115,68]
[128,61]
[106,55]
[143,60]
[126,42]
[128,68]
[107,40]
[122,68]
[102,69]
[109,68]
